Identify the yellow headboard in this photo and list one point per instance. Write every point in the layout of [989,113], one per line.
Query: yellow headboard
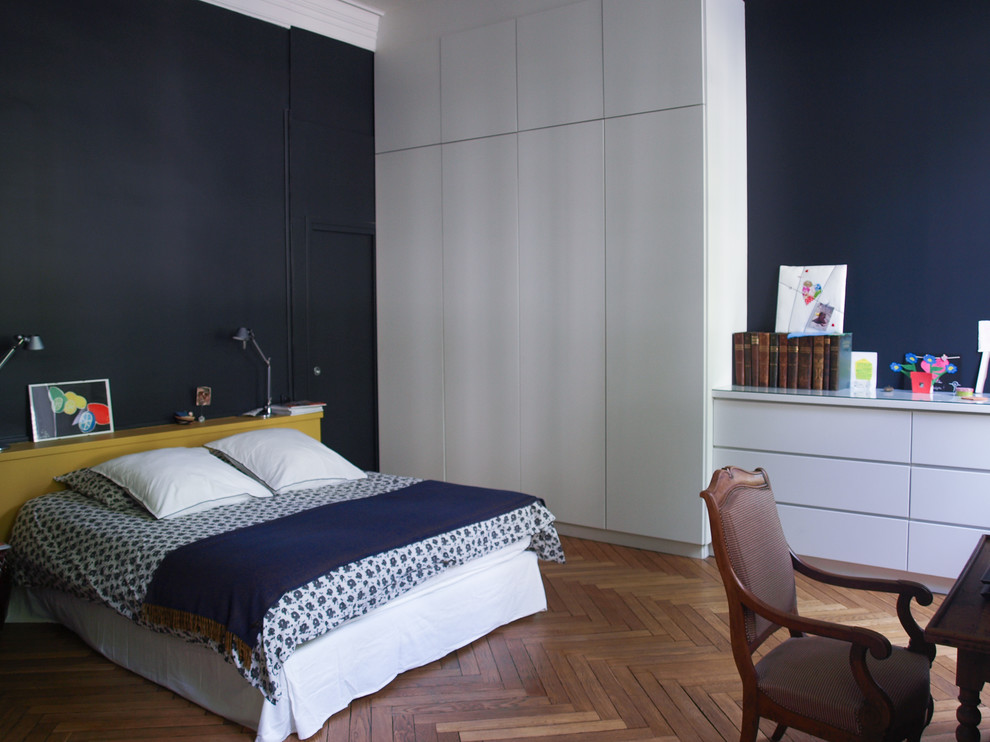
[26,469]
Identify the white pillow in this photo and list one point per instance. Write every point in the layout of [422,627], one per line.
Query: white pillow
[286,459]
[180,481]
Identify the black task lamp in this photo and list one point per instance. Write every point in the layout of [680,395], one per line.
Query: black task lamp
[33,342]
[242,335]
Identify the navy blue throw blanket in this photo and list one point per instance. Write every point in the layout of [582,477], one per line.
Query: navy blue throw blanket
[223,585]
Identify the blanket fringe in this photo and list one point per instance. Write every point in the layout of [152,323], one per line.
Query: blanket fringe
[190,622]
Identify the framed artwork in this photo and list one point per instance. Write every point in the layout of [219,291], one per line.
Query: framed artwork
[811,299]
[70,408]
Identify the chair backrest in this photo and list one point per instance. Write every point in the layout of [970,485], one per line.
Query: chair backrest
[750,546]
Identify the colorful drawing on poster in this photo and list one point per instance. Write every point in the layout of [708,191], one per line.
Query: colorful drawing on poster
[811,299]
[70,408]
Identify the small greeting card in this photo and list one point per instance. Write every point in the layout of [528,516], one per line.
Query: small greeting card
[863,373]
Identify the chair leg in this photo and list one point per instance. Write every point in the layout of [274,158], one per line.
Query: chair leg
[915,735]
[778,733]
[750,726]
[929,712]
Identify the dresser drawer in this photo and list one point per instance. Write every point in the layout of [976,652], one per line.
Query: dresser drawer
[951,440]
[846,537]
[939,550]
[951,496]
[838,484]
[816,430]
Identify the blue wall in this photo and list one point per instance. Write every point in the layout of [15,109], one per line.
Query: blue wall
[869,144]
[145,196]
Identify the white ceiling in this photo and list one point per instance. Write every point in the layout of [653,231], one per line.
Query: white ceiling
[369,24]
[346,20]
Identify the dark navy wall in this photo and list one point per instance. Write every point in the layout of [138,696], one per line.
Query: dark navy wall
[143,198]
[869,144]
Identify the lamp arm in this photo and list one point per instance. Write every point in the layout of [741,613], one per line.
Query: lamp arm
[266,359]
[268,367]
[21,340]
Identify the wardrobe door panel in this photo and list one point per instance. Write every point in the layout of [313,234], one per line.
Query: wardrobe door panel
[654,56]
[481,312]
[656,389]
[478,82]
[562,328]
[410,313]
[560,50]
[407,97]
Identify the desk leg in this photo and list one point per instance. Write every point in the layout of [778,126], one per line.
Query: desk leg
[971,671]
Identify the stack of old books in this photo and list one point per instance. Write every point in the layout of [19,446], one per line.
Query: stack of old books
[778,360]
[301,407]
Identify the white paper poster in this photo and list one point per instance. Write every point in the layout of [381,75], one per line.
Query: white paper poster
[811,299]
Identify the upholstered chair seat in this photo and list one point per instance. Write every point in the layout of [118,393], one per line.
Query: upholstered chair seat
[811,676]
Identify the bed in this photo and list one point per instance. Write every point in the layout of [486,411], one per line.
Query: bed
[342,624]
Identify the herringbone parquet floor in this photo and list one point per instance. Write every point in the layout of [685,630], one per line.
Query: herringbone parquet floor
[634,646]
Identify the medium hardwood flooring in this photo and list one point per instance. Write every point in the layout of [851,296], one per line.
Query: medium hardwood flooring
[634,646]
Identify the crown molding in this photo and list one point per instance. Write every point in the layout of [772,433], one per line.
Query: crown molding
[351,22]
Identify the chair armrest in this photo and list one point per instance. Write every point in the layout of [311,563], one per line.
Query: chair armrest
[877,584]
[877,644]
[905,590]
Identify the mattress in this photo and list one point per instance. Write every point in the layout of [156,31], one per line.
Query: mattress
[325,674]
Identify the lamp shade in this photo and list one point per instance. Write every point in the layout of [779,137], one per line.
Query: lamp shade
[31,342]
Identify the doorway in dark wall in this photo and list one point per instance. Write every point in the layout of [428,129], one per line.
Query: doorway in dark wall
[336,362]
[331,208]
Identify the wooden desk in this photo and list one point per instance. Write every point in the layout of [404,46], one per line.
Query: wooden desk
[963,622]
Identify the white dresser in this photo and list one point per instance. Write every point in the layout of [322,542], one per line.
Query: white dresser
[896,481]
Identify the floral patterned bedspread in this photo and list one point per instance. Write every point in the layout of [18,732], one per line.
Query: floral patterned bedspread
[109,555]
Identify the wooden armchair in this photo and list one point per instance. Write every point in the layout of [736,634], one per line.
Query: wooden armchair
[833,681]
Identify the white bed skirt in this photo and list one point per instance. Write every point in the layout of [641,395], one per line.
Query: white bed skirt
[324,675]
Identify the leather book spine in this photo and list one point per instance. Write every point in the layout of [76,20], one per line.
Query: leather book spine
[817,361]
[835,350]
[764,356]
[804,362]
[774,366]
[754,358]
[792,363]
[827,363]
[738,363]
[748,359]
[782,360]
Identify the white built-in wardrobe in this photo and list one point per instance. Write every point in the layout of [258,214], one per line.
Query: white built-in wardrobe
[561,256]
